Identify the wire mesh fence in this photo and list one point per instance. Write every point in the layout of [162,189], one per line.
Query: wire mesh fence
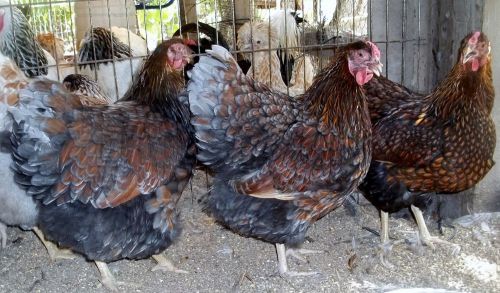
[312,28]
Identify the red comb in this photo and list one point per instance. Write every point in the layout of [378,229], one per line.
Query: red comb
[375,50]
[475,38]
[189,42]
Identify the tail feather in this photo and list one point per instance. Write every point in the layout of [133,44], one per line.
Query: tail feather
[39,133]
[208,81]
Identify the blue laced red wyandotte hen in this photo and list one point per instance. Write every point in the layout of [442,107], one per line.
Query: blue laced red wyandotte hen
[442,142]
[108,177]
[280,163]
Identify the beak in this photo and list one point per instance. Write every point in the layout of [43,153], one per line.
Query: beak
[376,68]
[470,53]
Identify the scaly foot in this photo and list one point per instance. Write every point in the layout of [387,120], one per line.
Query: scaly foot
[55,253]
[426,237]
[165,265]
[283,266]
[107,279]
[296,253]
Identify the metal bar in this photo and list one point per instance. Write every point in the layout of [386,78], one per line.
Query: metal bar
[112,51]
[403,35]
[386,37]
[131,65]
[143,6]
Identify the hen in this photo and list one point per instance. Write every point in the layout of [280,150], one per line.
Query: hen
[52,44]
[443,142]
[16,207]
[280,164]
[108,177]
[82,85]
[259,38]
[384,95]
[18,42]
[108,60]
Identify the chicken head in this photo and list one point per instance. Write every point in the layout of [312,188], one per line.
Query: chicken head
[364,63]
[476,51]
[178,56]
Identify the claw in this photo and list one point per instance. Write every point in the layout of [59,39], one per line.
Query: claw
[165,265]
[107,278]
[426,237]
[53,250]
[282,262]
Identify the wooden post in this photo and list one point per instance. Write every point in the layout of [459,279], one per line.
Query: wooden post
[454,20]
[104,13]
[488,189]
[188,11]
[233,10]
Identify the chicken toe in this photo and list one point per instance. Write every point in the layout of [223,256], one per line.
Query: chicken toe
[283,266]
[55,253]
[296,253]
[107,278]
[426,237]
[165,265]
[3,235]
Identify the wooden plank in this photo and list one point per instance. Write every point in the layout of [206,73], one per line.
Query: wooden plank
[97,13]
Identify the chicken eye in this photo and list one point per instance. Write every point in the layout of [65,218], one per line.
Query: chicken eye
[360,54]
[258,42]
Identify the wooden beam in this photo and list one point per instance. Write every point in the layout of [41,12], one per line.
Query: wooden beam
[188,11]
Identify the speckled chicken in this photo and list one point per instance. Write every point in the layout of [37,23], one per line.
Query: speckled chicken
[443,142]
[82,85]
[109,60]
[16,207]
[384,95]
[108,177]
[281,164]
[19,43]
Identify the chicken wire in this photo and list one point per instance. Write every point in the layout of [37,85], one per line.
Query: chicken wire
[400,28]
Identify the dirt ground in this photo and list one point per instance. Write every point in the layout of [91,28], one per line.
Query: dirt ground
[221,261]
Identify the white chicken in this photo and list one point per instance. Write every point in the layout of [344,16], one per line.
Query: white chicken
[19,43]
[105,56]
[273,63]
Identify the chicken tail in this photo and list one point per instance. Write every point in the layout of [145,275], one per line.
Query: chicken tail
[207,85]
[39,132]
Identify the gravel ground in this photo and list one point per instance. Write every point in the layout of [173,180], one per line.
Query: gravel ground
[220,261]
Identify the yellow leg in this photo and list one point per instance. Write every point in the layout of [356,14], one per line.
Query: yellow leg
[55,252]
[166,265]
